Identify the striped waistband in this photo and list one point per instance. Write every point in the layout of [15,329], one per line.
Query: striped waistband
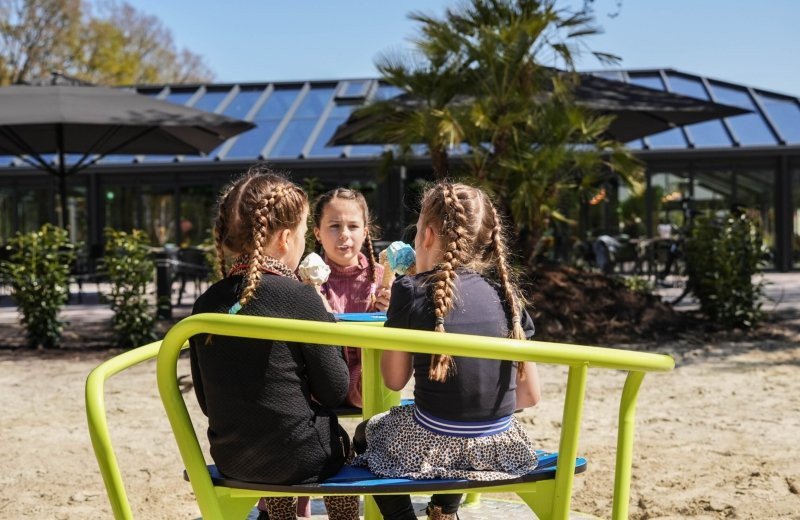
[461,428]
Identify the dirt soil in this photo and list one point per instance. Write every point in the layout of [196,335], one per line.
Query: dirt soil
[716,438]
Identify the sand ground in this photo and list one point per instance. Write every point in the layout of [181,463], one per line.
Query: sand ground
[716,438]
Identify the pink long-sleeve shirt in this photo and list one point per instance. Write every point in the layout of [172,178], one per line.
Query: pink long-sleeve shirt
[349,289]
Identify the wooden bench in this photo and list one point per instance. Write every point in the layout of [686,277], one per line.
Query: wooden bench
[546,491]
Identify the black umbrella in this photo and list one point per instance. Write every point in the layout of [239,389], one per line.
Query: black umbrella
[638,111]
[98,121]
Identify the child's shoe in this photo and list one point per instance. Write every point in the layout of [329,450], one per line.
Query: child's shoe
[435,513]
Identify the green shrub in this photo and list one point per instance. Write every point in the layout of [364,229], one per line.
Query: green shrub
[721,259]
[38,272]
[638,284]
[130,267]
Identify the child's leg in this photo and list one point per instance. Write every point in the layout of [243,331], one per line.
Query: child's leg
[395,507]
[304,507]
[281,508]
[342,507]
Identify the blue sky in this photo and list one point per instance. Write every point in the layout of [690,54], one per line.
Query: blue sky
[753,42]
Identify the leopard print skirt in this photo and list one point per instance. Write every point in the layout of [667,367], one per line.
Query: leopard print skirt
[397,446]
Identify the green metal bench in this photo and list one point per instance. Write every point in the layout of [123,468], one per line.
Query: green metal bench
[549,499]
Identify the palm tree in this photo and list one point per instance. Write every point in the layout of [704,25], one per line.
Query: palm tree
[430,116]
[499,75]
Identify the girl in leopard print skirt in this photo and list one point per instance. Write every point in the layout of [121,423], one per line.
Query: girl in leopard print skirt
[461,424]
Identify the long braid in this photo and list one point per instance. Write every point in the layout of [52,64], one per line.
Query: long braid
[373,273]
[260,239]
[454,229]
[512,299]
[220,229]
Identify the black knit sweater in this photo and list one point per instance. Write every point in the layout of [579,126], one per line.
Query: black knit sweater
[262,423]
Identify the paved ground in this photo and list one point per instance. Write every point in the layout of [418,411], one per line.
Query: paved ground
[486,509]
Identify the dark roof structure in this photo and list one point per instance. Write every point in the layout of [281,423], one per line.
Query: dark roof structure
[295,120]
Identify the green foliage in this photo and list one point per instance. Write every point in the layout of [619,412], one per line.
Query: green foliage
[106,42]
[130,269]
[483,75]
[638,284]
[721,259]
[38,272]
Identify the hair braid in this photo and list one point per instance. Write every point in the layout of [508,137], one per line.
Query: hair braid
[373,273]
[265,207]
[220,229]
[512,299]
[454,224]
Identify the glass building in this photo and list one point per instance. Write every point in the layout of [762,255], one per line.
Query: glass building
[750,161]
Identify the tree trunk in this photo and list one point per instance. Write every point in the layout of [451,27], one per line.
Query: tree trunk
[441,166]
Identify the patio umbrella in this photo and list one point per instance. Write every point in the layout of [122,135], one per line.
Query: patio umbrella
[36,121]
[638,111]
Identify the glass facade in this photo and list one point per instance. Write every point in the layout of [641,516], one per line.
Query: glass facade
[705,165]
[196,216]
[158,214]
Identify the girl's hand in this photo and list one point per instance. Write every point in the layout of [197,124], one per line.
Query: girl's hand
[382,299]
[327,305]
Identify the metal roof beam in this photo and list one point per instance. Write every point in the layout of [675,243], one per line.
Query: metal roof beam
[770,123]
[731,134]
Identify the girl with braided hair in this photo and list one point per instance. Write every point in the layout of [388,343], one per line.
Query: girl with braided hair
[263,425]
[342,230]
[461,424]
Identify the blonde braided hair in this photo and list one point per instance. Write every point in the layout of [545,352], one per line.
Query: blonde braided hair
[472,234]
[251,210]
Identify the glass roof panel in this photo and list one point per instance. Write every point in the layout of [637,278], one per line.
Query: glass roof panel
[614,75]
[750,129]
[5,160]
[277,104]
[709,134]
[672,138]
[211,100]
[293,138]
[267,119]
[319,149]
[243,102]
[364,150]
[387,92]
[355,89]
[249,144]
[785,113]
[635,144]
[179,97]
[647,80]
[116,159]
[687,86]
[314,103]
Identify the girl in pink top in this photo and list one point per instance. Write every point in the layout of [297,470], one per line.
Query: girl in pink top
[342,228]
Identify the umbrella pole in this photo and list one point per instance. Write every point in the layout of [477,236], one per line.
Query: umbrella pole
[62,177]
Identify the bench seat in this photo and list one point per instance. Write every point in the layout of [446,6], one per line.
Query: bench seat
[360,481]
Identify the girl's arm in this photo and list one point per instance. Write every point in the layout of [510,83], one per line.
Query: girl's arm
[528,392]
[396,369]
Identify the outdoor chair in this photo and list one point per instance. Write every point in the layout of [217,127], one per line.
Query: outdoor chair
[547,491]
[191,266]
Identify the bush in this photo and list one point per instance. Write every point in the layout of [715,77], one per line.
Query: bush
[38,272]
[130,269]
[721,259]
